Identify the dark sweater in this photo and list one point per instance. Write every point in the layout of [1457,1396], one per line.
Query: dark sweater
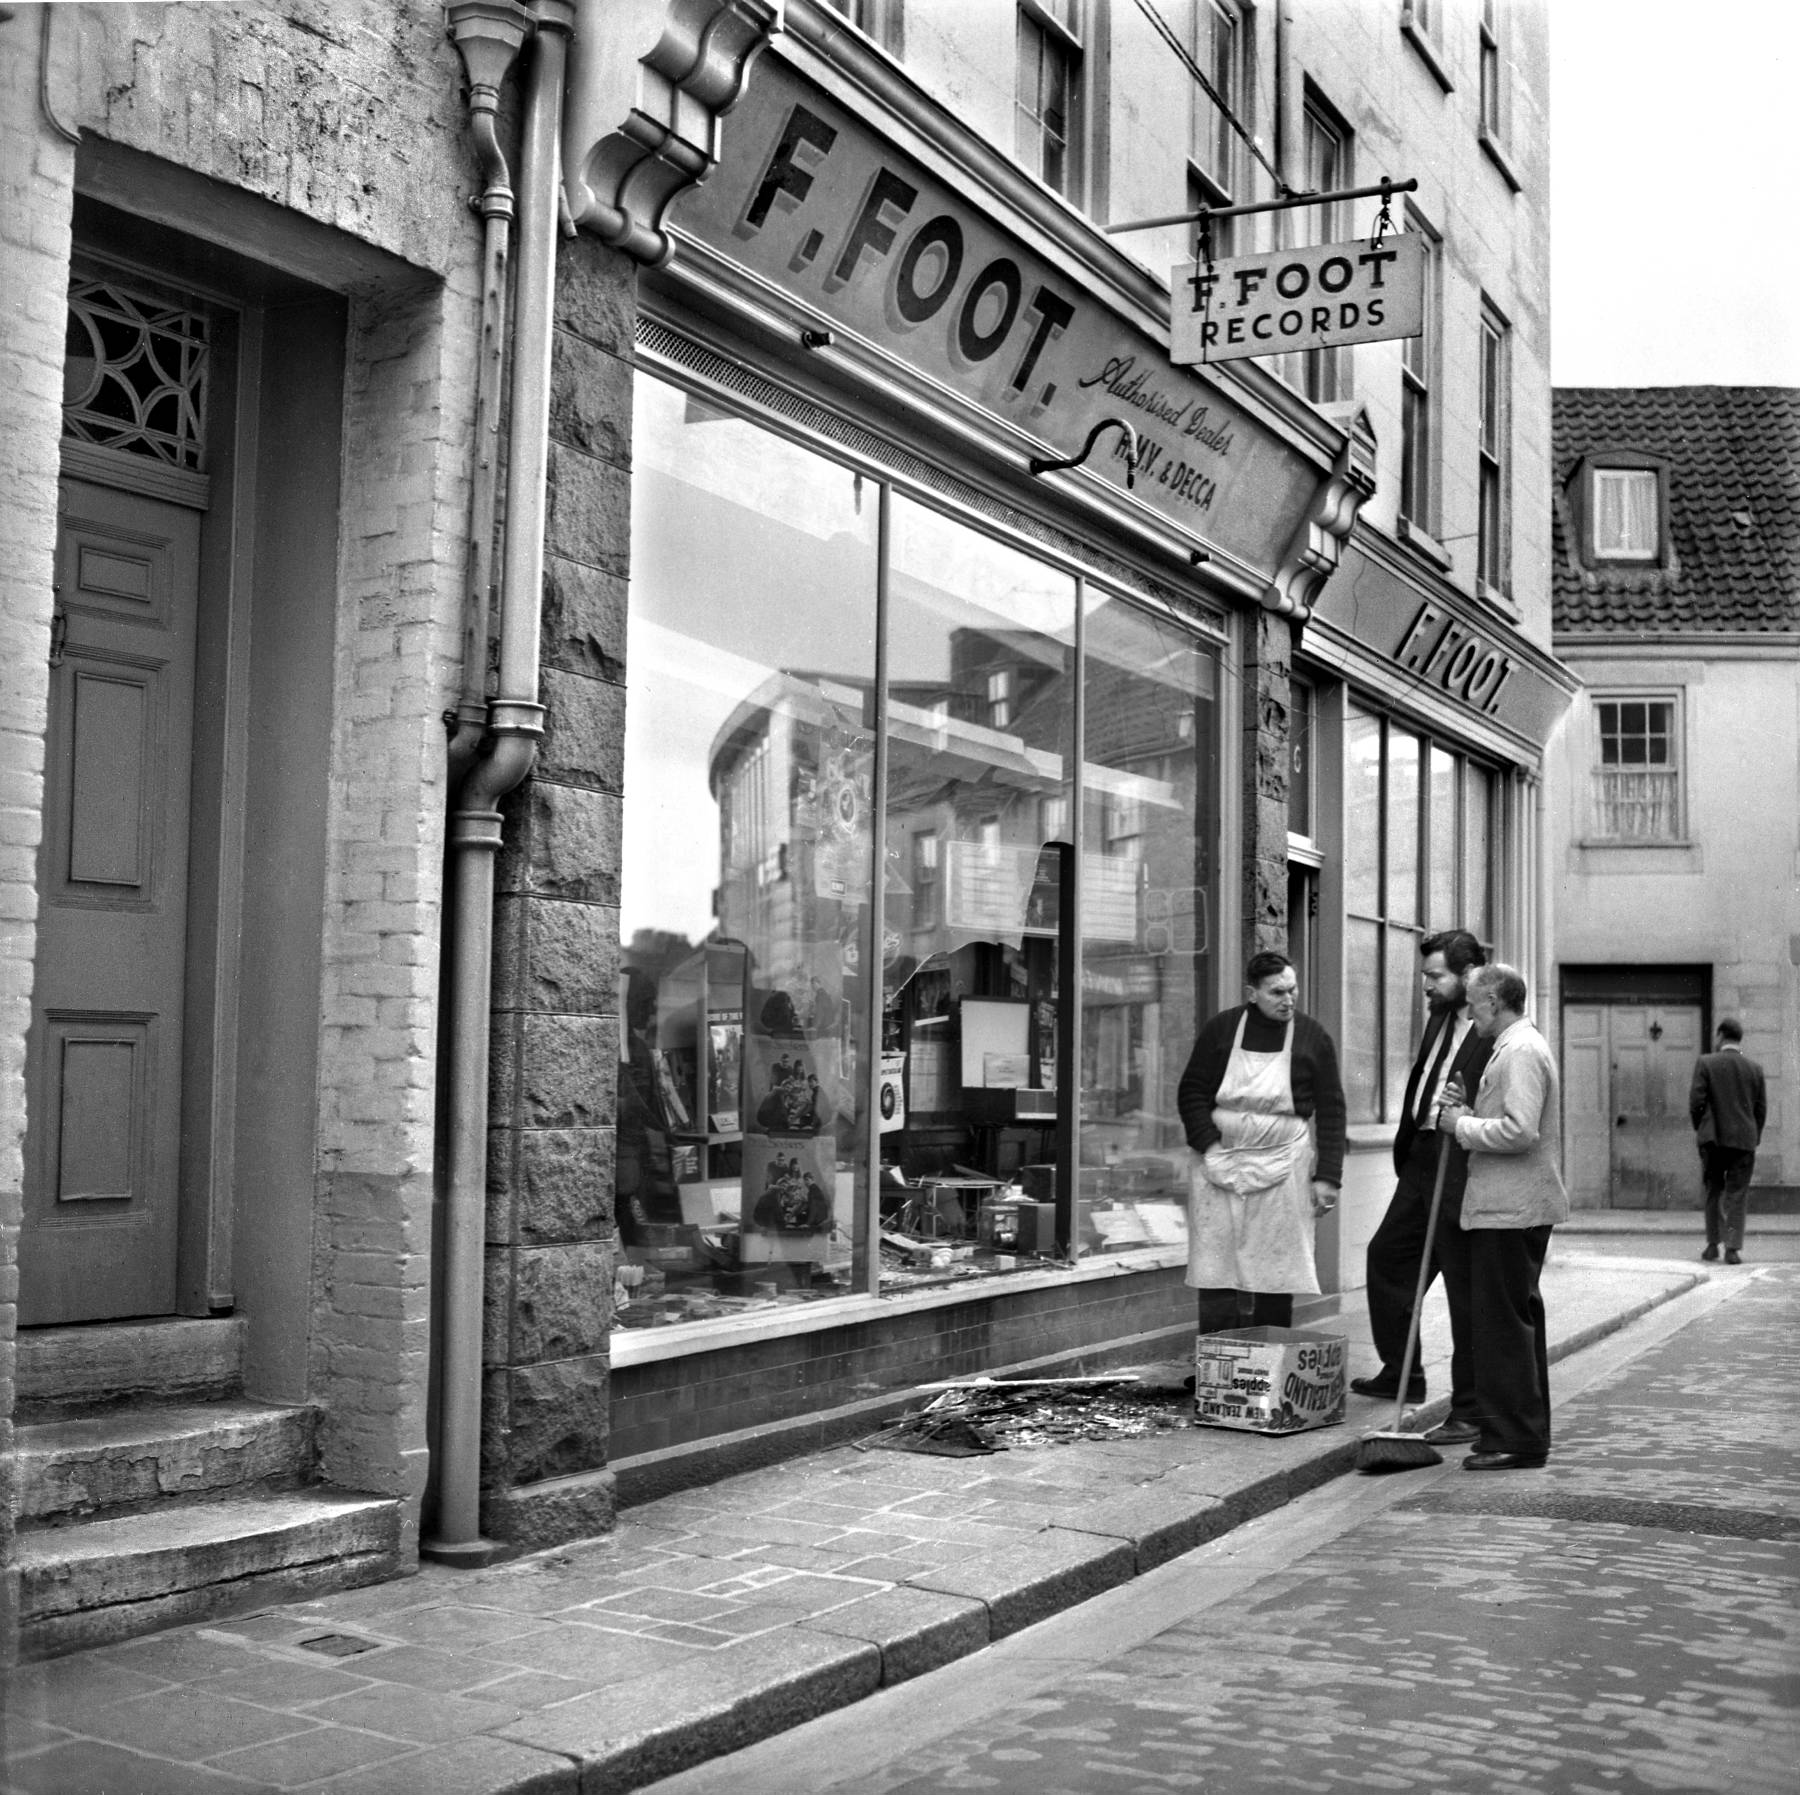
[1318,1091]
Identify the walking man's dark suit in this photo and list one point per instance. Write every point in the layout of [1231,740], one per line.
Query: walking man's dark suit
[1395,1246]
[1728,1106]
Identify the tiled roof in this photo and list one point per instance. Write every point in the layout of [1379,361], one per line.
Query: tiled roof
[1733,459]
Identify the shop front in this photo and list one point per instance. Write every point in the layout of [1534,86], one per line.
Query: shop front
[1416,807]
[933,774]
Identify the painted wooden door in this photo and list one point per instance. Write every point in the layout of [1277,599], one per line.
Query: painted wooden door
[104,1058]
[1655,1164]
[1627,1140]
[1587,1104]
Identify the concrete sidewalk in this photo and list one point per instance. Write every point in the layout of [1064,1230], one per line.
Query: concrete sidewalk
[708,1620]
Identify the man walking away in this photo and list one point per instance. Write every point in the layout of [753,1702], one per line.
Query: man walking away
[1453,1048]
[1728,1107]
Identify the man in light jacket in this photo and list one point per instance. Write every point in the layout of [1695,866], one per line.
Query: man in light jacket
[1514,1197]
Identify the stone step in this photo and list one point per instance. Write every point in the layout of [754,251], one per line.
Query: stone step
[113,1361]
[98,1581]
[130,1457]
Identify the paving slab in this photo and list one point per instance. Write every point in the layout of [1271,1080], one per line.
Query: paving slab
[709,1618]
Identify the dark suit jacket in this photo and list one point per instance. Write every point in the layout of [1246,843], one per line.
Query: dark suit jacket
[1468,1062]
[1727,1103]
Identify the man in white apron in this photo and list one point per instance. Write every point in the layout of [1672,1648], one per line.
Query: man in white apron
[1261,1084]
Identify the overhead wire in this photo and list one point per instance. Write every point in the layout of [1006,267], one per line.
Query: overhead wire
[1163,30]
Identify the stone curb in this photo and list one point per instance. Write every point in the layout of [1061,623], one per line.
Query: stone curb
[932,1619]
[667,1714]
[1021,1585]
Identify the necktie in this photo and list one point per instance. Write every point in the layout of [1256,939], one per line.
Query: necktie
[1437,1069]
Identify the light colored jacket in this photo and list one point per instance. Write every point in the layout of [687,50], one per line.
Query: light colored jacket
[1514,1137]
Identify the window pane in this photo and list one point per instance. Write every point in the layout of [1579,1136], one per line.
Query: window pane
[1358,1048]
[1402,988]
[1403,826]
[1300,759]
[743,1174]
[1444,858]
[1625,520]
[1478,801]
[1362,812]
[970,983]
[1147,871]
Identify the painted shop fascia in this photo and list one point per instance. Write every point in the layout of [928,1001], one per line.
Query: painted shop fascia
[1414,641]
[858,274]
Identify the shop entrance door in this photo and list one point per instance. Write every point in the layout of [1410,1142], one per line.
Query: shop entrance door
[104,1055]
[1627,1068]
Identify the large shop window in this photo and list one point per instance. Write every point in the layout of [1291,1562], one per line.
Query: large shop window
[1418,857]
[790,1128]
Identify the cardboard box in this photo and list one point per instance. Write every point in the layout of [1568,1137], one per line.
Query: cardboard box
[1270,1380]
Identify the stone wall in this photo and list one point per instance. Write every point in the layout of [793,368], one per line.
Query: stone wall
[1268,669]
[551,1233]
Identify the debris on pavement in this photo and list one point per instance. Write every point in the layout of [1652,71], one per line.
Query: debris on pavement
[985,1415]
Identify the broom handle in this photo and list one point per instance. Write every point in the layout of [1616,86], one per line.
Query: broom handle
[1418,1308]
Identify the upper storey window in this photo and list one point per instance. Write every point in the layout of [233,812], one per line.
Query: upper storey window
[1626,514]
[1215,42]
[1049,93]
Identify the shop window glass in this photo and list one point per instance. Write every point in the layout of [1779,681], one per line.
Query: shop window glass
[1402,826]
[1301,712]
[1441,852]
[1358,1053]
[1362,813]
[1433,874]
[1478,871]
[970,976]
[747,852]
[1398,1017]
[1147,873]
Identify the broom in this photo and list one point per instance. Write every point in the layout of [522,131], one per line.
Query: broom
[1391,1449]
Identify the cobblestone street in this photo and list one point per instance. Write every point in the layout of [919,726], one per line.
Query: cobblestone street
[1625,1619]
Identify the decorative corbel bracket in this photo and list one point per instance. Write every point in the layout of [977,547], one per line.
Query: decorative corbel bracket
[1313,552]
[649,81]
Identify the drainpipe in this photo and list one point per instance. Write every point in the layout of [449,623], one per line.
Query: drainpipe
[514,726]
[489,34]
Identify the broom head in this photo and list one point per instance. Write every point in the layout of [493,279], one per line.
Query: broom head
[1391,1450]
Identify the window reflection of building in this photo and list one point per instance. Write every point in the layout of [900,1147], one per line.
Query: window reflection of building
[751,554]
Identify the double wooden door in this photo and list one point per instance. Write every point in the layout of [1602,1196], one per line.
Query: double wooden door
[1627,1068]
[104,1056]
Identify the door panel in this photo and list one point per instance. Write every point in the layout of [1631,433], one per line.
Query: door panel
[1587,1102]
[1655,1163]
[104,1056]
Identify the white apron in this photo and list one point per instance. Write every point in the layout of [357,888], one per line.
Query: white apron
[1250,1220]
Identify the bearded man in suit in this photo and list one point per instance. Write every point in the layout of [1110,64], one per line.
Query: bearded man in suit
[1452,1048]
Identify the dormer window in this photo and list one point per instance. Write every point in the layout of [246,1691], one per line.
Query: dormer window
[1625,512]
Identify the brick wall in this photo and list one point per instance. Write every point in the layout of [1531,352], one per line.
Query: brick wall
[551,1234]
[349,115]
[36,171]
[408,420]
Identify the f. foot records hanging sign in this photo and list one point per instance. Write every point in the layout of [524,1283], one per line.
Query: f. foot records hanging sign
[1318,298]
